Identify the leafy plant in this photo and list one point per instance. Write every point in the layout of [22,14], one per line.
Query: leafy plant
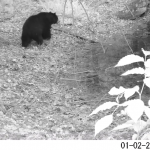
[134,108]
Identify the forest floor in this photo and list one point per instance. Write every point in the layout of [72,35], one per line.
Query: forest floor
[48,91]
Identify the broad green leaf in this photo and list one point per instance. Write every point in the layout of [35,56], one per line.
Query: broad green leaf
[115,91]
[146,53]
[147,82]
[134,71]
[130,122]
[130,91]
[104,106]
[147,111]
[127,102]
[147,72]
[103,123]
[136,88]
[147,63]
[135,109]
[129,59]
[139,125]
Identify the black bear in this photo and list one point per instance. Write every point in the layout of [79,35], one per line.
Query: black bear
[37,27]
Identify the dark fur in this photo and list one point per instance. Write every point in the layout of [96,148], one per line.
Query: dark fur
[37,27]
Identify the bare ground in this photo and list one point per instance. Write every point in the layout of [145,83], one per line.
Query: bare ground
[48,91]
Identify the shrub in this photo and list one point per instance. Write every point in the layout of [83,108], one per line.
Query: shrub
[134,108]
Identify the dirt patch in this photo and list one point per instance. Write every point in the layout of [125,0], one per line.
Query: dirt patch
[48,91]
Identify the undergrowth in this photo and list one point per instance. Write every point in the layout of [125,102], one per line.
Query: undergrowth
[134,108]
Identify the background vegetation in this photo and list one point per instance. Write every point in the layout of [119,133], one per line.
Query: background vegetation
[48,91]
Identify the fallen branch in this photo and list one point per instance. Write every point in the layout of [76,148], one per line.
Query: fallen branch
[73,34]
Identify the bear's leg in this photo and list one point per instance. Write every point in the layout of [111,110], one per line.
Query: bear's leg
[39,40]
[26,41]
[46,35]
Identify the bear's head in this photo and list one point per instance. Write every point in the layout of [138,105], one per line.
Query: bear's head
[53,18]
